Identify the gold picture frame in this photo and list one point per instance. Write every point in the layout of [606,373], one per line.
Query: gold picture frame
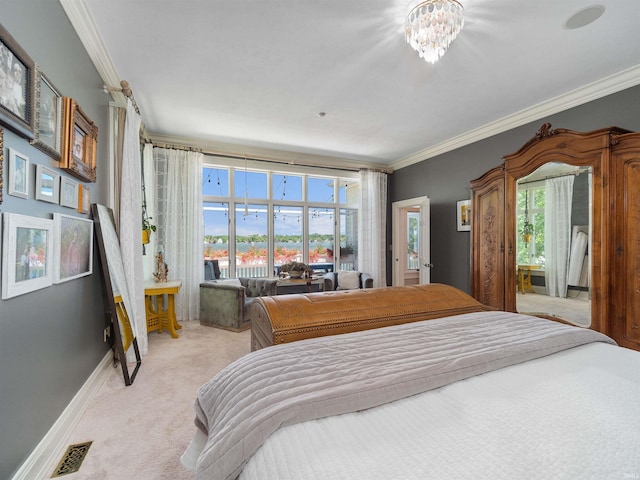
[79,142]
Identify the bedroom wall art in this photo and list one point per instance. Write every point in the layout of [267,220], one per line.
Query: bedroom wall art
[73,247]
[27,254]
[48,116]
[47,184]
[68,193]
[19,169]
[79,142]
[17,70]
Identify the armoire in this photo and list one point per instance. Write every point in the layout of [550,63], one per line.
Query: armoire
[613,155]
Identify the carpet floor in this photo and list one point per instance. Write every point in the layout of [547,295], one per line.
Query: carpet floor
[139,432]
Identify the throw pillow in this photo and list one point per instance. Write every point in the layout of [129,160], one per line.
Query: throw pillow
[230,281]
[348,280]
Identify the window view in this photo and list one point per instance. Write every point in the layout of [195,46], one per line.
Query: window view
[278,218]
[413,239]
[530,226]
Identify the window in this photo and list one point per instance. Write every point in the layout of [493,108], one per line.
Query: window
[278,217]
[530,249]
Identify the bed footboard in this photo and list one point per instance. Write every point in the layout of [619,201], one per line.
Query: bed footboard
[288,318]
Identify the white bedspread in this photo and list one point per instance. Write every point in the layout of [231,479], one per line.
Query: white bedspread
[283,385]
[571,415]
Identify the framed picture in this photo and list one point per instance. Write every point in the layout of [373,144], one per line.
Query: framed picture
[464,215]
[47,134]
[84,199]
[17,79]
[1,163]
[27,255]
[47,185]
[73,247]
[68,193]
[79,142]
[18,174]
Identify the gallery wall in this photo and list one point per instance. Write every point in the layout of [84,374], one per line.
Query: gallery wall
[445,178]
[51,339]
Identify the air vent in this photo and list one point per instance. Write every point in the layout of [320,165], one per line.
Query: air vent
[72,459]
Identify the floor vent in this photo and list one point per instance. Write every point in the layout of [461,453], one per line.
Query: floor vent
[72,459]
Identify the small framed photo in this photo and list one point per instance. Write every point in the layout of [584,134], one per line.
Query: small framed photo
[47,185]
[464,215]
[84,199]
[68,193]
[18,174]
[1,162]
[27,254]
[48,121]
[79,142]
[73,247]
[17,75]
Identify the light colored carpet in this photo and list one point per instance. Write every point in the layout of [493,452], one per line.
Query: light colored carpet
[139,432]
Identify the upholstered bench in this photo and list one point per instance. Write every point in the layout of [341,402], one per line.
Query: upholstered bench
[288,318]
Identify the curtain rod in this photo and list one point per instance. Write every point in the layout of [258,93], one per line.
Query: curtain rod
[125,89]
[299,164]
[171,146]
[548,177]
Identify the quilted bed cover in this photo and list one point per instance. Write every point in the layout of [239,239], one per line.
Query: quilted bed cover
[258,396]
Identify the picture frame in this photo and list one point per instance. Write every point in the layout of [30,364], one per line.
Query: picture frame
[1,163]
[84,199]
[47,184]
[79,142]
[68,193]
[19,174]
[17,102]
[73,247]
[47,133]
[27,254]
[464,215]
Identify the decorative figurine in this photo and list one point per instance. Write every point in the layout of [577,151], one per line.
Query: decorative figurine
[162,271]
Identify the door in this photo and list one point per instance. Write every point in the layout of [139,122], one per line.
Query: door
[411,242]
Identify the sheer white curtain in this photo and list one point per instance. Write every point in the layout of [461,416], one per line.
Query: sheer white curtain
[372,227]
[557,233]
[129,232]
[180,223]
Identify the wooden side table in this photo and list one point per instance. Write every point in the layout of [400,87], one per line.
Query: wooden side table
[157,317]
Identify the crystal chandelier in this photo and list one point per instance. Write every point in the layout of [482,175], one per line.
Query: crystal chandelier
[432,25]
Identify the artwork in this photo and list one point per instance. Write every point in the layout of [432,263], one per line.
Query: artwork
[73,247]
[48,121]
[79,142]
[26,255]
[464,216]
[18,174]
[47,185]
[84,198]
[16,86]
[68,193]
[1,161]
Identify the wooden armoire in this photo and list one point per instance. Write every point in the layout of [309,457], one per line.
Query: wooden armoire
[614,157]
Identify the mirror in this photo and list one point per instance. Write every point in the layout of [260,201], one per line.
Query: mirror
[553,238]
[117,301]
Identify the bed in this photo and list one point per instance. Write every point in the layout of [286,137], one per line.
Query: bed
[484,394]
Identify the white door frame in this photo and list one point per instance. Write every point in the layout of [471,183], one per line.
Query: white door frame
[425,232]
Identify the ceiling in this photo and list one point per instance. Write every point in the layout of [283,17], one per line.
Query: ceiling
[250,77]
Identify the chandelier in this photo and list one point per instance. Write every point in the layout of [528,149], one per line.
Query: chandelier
[431,27]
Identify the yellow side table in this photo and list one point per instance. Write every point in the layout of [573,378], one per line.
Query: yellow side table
[524,278]
[157,317]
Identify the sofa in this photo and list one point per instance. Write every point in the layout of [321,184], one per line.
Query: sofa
[225,303]
[352,280]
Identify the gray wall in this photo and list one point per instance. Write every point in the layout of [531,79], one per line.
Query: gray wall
[445,178]
[50,339]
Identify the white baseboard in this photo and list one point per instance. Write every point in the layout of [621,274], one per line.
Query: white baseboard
[44,458]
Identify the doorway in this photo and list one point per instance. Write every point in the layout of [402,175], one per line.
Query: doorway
[411,242]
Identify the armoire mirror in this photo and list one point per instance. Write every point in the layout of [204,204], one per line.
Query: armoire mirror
[553,231]
[117,299]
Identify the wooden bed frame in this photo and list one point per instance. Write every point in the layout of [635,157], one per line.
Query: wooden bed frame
[288,318]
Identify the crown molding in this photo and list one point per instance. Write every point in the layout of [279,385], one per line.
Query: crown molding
[612,84]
